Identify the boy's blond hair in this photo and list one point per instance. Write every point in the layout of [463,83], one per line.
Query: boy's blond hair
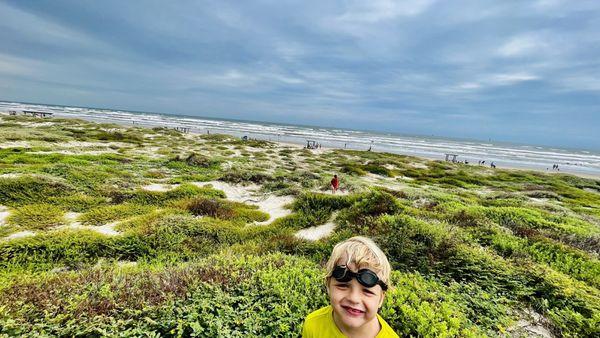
[363,252]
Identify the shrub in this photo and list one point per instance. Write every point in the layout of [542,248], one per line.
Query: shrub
[121,136]
[159,197]
[223,209]
[73,248]
[418,307]
[210,207]
[37,216]
[244,176]
[352,169]
[378,170]
[78,202]
[106,214]
[413,244]
[31,189]
[368,206]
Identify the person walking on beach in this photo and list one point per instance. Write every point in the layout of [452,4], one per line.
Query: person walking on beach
[335,184]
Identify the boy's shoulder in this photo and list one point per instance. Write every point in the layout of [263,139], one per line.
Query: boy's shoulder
[320,323]
[386,330]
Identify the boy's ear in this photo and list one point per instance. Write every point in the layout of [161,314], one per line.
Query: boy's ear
[381,300]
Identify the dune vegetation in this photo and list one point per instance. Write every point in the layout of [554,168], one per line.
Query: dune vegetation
[130,231]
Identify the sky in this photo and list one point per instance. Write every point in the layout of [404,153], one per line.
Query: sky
[516,71]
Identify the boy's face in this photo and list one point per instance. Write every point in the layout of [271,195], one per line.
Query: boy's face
[354,305]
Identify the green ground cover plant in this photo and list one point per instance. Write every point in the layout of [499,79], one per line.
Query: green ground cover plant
[37,216]
[474,249]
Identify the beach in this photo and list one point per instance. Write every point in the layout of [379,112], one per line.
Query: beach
[504,155]
[157,227]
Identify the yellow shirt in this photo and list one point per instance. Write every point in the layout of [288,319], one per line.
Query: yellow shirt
[320,324]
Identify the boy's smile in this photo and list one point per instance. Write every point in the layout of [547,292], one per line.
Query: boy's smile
[352,311]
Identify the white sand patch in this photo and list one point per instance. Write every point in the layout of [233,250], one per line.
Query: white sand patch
[4,213]
[20,234]
[372,178]
[340,191]
[126,264]
[317,232]
[236,193]
[85,144]
[271,204]
[106,229]
[532,326]
[10,175]
[37,124]
[71,144]
[159,187]
[539,200]
[15,144]
[418,165]
[75,152]
[152,152]
[71,217]
[375,180]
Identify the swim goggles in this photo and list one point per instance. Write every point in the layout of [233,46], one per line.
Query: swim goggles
[365,277]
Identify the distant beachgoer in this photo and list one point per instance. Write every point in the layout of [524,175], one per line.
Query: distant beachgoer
[483,162]
[335,184]
[344,145]
[492,165]
[369,148]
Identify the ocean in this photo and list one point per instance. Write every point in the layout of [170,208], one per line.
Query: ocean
[505,155]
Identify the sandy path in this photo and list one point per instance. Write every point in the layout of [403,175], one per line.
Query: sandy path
[72,223]
[317,232]
[20,234]
[10,175]
[271,204]
[159,187]
[4,213]
[79,152]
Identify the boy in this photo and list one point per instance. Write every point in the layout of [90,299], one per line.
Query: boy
[357,277]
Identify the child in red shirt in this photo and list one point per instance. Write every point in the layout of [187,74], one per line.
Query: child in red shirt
[335,184]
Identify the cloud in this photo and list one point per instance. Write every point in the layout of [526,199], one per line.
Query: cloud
[522,45]
[509,79]
[416,65]
[381,10]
